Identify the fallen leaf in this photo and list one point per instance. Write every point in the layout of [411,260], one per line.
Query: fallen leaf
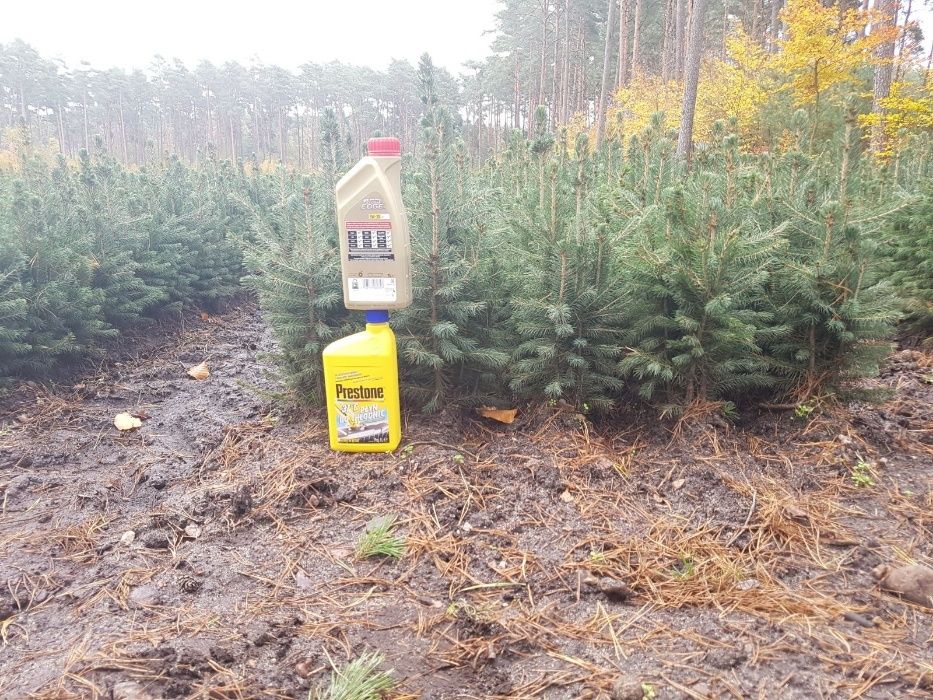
[204,316]
[125,421]
[128,537]
[678,483]
[503,415]
[193,531]
[199,371]
[566,497]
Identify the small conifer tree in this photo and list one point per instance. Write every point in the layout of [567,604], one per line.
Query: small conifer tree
[694,274]
[567,309]
[909,247]
[439,335]
[833,309]
[295,268]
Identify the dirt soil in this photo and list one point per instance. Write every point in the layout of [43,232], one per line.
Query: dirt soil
[550,558]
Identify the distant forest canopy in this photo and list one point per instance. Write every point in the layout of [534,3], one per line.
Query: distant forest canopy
[569,56]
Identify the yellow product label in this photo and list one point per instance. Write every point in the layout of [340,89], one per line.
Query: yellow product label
[361,410]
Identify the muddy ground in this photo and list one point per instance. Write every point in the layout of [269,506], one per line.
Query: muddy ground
[551,558]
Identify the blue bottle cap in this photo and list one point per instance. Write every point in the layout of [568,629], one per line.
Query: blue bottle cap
[380,316]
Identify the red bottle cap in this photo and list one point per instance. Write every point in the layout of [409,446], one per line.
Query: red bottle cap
[384,146]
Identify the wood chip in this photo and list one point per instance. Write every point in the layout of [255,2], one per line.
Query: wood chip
[199,371]
[503,415]
[126,421]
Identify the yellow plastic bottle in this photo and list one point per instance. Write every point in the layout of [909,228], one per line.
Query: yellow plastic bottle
[361,383]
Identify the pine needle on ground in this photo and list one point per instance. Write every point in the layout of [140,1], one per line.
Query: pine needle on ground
[380,539]
[358,680]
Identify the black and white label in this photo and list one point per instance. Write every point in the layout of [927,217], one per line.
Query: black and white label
[375,289]
[369,240]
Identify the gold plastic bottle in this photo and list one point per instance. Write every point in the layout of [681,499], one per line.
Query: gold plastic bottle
[361,383]
[375,254]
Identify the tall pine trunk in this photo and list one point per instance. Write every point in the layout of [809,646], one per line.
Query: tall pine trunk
[903,40]
[884,70]
[604,83]
[680,37]
[636,35]
[622,69]
[668,50]
[774,28]
[694,56]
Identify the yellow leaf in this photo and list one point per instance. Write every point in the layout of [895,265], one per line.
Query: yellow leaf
[125,421]
[503,415]
[199,372]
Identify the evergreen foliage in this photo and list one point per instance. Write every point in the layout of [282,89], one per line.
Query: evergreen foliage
[567,306]
[439,337]
[553,271]
[295,261]
[694,273]
[833,311]
[910,250]
[90,250]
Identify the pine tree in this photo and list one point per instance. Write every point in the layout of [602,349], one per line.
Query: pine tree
[694,274]
[13,305]
[910,251]
[64,316]
[439,334]
[567,309]
[116,240]
[828,296]
[295,266]
[219,223]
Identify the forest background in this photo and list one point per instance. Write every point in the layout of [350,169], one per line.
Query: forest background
[692,202]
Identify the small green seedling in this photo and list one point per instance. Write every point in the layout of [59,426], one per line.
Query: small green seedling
[647,691]
[803,410]
[685,569]
[380,539]
[597,556]
[359,680]
[861,474]
[407,450]
[458,458]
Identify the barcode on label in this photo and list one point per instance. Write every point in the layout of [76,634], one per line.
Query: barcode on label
[366,289]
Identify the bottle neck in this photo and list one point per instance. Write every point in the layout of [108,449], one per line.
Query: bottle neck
[377,318]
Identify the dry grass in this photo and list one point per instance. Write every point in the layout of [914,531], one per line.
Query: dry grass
[508,549]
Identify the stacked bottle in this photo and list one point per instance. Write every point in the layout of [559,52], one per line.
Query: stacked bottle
[361,370]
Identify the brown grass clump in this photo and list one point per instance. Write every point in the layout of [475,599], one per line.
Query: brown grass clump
[787,521]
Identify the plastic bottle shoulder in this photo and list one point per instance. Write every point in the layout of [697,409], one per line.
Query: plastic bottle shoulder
[376,340]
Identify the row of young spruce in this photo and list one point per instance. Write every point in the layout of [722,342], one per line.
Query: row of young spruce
[560,272]
[554,272]
[91,250]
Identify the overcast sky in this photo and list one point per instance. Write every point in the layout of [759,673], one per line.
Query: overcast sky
[128,33]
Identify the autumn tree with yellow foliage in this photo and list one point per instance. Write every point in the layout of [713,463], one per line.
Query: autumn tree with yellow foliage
[823,56]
